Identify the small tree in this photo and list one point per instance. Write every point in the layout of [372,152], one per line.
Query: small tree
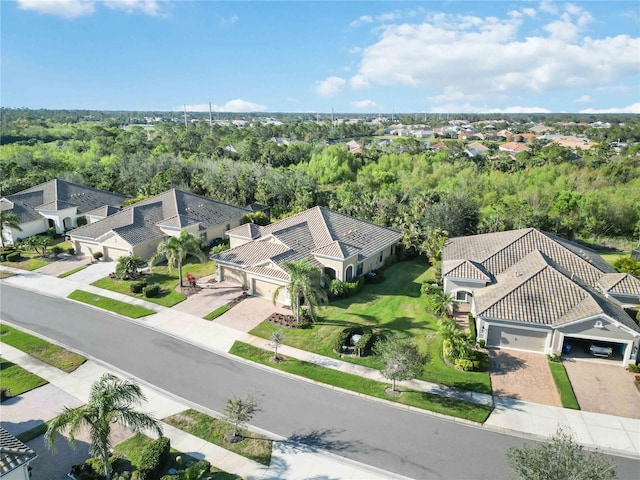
[441,303]
[239,411]
[128,266]
[402,359]
[176,249]
[276,341]
[561,458]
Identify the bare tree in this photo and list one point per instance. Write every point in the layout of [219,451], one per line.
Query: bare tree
[276,340]
[239,411]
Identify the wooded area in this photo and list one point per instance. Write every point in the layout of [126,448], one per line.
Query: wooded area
[588,193]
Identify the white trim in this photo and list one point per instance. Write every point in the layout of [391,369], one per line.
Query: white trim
[611,320]
[627,351]
[461,279]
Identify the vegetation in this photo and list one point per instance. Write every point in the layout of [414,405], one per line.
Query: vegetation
[402,359]
[254,446]
[176,249]
[217,312]
[304,286]
[563,384]
[48,353]
[239,412]
[16,379]
[425,401]
[128,266]
[71,272]
[561,458]
[111,399]
[106,303]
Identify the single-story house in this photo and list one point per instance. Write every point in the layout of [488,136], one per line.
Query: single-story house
[530,290]
[15,457]
[341,246]
[139,228]
[56,204]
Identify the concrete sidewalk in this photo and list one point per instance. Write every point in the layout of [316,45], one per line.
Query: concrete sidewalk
[607,432]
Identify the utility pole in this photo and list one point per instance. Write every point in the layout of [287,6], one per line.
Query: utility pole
[185,116]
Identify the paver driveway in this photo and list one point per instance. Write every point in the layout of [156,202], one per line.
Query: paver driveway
[523,375]
[249,313]
[65,263]
[208,299]
[603,388]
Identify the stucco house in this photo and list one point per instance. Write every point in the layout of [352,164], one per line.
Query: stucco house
[15,457]
[139,228]
[341,246]
[56,204]
[530,290]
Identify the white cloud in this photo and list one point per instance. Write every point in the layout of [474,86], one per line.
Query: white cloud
[549,7]
[149,7]
[229,21]
[468,108]
[634,108]
[484,56]
[365,104]
[330,86]
[583,99]
[361,20]
[237,106]
[61,8]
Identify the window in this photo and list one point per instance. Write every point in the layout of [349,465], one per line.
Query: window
[228,226]
[359,270]
[380,259]
[461,296]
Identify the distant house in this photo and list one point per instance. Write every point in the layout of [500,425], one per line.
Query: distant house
[139,228]
[354,147]
[15,458]
[439,146]
[530,290]
[513,147]
[574,143]
[56,204]
[540,128]
[476,149]
[470,136]
[341,246]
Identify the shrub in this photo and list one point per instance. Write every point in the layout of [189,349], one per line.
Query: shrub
[430,288]
[472,328]
[81,221]
[14,257]
[152,290]
[555,358]
[98,255]
[337,289]
[56,249]
[482,342]
[633,368]
[219,248]
[390,260]
[93,465]
[138,287]
[364,345]
[347,333]
[463,364]
[3,257]
[71,251]
[51,231]
[152,458]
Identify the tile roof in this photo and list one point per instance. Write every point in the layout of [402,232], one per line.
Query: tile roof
[58,194]
[13,453]
[620,283]
[537,290]
[104,211]
[315,231]
[465,269]
[140,222]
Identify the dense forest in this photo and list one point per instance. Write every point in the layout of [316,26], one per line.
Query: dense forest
[588,194]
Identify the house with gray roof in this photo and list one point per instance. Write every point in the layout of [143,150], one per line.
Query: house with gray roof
[15,457]
[531,290]
[139,228]
[56,204]
[341,246]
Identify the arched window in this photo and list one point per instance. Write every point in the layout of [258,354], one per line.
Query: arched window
[348,275]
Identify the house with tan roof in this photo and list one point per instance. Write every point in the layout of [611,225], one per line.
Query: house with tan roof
[15,457]
[530,290]
[139,228]
[513,147]
[57,204]
[341,246]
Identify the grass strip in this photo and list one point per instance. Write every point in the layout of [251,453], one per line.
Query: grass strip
[5,274]
[71,272]
[18,380]
[425,401]
[133,446]
[34,432]
[217,312]
[254,446]
[115,306]
[563,384]
[47,352]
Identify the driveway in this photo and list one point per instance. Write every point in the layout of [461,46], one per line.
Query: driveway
[249,313]
[64,264]
[208,299]
[523,375]
[603,388]
[94,272]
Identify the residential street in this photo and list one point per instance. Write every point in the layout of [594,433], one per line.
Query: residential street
[412,444]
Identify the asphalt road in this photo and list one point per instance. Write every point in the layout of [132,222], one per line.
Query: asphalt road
[412,444]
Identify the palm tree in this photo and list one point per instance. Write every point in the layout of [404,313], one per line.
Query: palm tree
[8,220]
[442,302]
[176,249]
[111,399]
[304,286]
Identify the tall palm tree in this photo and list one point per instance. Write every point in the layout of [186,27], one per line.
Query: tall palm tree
[111,399]
[304,286]
[442,302]
[8,220]
[176,249]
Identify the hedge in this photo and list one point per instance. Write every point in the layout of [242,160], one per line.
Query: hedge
[152,290]
[152,459]
[364,344]
[137,287]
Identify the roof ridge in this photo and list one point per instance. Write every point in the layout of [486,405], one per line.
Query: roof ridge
[558,241]
[525,231]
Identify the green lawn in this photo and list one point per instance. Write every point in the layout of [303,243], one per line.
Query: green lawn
[168,282]
[394,305]
[30,261]
[18,380]
[255,447]
[47,352]
[610,258]
[132,449]
[563,384]
[71,272]
[217,312]
[115,306]
[434,403]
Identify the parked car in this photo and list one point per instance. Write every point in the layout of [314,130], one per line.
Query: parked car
[600,349]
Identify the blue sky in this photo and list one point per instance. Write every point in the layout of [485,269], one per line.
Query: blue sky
[366,56]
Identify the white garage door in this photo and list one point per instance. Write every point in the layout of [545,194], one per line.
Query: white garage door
[232,275]
[266,290]
[516,338]
[114,253]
